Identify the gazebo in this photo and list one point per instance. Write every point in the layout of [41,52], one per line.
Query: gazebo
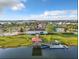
[36,40]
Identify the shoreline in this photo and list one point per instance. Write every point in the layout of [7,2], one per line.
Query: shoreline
[26,46]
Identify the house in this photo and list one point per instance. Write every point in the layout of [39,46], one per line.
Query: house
[62,30]
[33,32]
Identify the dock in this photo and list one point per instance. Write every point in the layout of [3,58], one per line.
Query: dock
[36,51]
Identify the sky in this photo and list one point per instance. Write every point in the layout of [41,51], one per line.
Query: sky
[38,9]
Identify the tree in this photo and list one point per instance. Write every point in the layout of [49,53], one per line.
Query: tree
[50,28]
[70,27]
[21,30]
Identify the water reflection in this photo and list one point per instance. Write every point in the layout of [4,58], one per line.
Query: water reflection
[26,52]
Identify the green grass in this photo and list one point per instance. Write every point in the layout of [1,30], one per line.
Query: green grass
[15,41]
[25,40]
[63,38]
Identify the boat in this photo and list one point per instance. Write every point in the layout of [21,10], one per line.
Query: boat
[44,46]
[56,44]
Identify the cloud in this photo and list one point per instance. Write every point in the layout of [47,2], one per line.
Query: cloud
[73,12]
[57,12]
[47,15]
[18,6]
[13,4]
[60,12]
[56,15]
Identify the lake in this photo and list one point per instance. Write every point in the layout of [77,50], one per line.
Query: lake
[26,53]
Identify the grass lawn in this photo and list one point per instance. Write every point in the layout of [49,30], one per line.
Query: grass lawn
[25,40]
[68,39]
[15,41]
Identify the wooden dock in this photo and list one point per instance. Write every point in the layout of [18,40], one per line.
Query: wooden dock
[36,51]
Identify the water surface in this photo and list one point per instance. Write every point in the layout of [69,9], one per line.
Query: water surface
[26,53]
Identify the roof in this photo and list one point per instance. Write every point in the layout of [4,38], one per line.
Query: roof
[36,39]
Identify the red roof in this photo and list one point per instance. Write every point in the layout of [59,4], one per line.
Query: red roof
[36,40]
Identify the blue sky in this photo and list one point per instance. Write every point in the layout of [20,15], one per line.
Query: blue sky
[29,9]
